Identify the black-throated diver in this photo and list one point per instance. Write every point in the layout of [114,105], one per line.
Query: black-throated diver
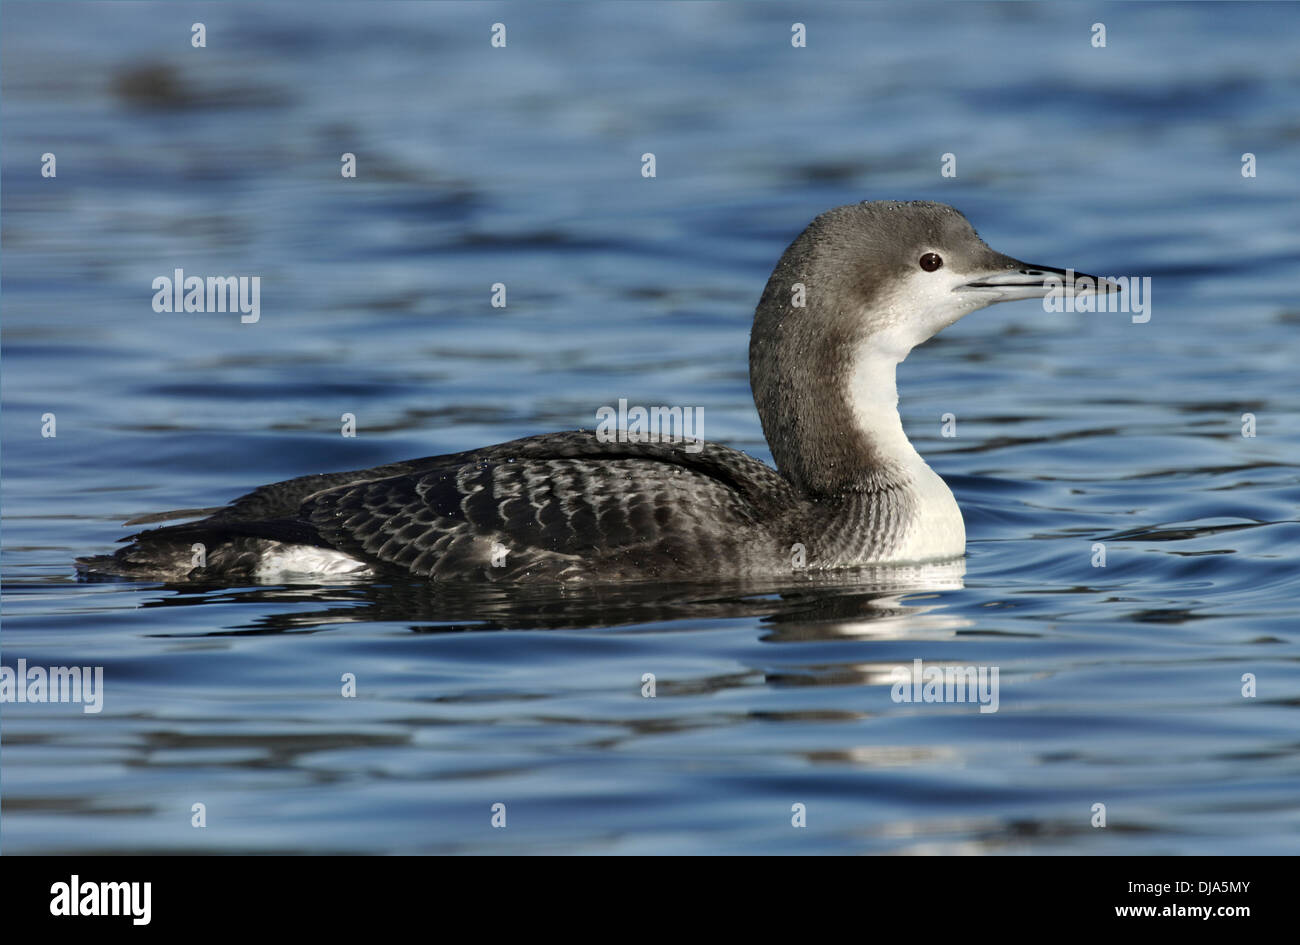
[878,278]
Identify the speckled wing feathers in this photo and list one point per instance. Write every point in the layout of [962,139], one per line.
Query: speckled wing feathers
[561,505]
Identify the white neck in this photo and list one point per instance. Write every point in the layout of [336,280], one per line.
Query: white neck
[873,396]
[938,530]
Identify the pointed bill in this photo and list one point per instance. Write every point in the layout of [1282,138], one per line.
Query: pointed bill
[1024,281]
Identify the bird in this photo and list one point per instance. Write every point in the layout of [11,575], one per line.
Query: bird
[851,296]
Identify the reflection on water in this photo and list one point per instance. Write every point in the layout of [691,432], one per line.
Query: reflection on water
[1120,684]
[863,601]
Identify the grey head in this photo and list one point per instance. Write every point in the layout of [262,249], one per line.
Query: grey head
[852,295]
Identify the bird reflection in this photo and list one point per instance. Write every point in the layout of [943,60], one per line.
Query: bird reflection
[879,602]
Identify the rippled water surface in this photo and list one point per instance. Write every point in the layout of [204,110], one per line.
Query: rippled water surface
[1119,685]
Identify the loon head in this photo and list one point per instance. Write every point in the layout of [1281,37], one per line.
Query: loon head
[850,297]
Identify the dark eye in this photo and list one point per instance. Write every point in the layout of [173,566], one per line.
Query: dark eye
[931,261]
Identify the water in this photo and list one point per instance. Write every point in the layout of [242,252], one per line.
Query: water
[1119,685]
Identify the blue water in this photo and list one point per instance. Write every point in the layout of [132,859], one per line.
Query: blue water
[1120,685]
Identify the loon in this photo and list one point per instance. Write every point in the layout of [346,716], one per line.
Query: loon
[860,287]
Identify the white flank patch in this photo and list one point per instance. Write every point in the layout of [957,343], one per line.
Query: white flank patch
[300,560]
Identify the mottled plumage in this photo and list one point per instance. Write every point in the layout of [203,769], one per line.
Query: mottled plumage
[850,297]
[561,506]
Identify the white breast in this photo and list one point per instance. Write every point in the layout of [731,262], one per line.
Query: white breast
[938,530]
